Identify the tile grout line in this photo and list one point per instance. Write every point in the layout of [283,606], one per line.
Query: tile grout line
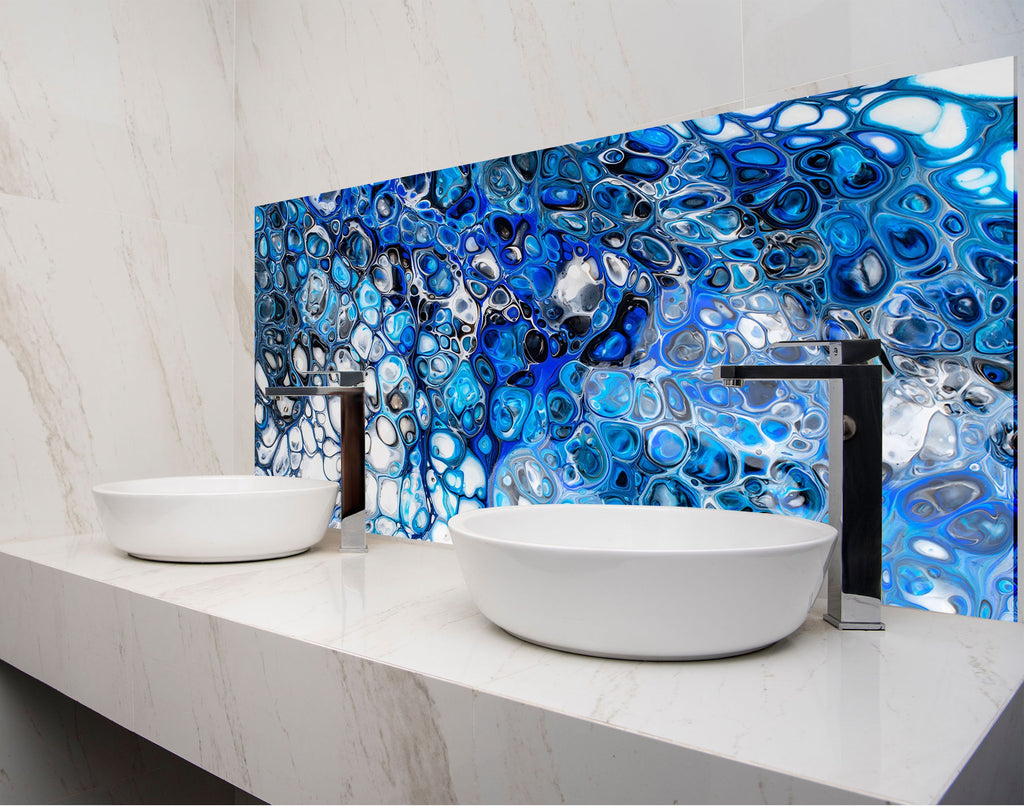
[234,460]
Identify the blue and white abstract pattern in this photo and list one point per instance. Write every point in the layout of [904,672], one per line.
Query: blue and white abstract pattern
[541,328]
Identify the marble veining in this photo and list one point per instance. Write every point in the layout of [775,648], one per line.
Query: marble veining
[115,214]
[232,666]
[51,393]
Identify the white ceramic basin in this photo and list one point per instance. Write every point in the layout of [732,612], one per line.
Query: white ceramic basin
[648,583]
[211,519]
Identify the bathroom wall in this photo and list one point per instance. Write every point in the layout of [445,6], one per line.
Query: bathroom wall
[116,306]
[763,68]
[116,318]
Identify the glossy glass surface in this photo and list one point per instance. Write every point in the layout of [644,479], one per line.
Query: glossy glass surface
[540,328]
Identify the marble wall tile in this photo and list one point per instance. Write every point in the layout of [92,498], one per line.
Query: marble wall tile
[115,220]
[116,333]
[324,89]
[404,87]
[513,76]
[905,64]
[243,336]
[815,40]
[120,105]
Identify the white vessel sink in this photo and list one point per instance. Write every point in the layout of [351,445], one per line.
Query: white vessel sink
[647,583]
[210,519]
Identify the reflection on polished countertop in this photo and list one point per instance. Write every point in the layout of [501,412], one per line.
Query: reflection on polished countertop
[323,660]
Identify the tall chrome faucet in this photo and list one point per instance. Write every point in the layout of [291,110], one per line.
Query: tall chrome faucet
[854,469]
[348,386]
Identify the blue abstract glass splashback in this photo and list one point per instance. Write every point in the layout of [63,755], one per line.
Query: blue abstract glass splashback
[541,327]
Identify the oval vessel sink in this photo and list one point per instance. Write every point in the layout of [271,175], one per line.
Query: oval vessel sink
[642,582]
[210,519]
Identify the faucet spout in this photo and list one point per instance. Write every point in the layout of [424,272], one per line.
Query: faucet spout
[855,470]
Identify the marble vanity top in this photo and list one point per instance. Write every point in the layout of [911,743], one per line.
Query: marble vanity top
[373,678]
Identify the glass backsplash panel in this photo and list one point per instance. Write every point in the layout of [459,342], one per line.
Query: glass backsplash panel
[541,327]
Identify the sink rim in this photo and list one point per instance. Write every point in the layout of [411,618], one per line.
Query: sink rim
[271,485]
[817,532]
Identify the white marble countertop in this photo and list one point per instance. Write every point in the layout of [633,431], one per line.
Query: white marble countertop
[821,716]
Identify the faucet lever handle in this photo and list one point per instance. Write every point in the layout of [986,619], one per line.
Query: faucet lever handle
[851,351]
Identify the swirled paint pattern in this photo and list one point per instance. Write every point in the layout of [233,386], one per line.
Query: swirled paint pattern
[540,328]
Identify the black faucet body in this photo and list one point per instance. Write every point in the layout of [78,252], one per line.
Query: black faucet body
[348,385]
[854,468]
